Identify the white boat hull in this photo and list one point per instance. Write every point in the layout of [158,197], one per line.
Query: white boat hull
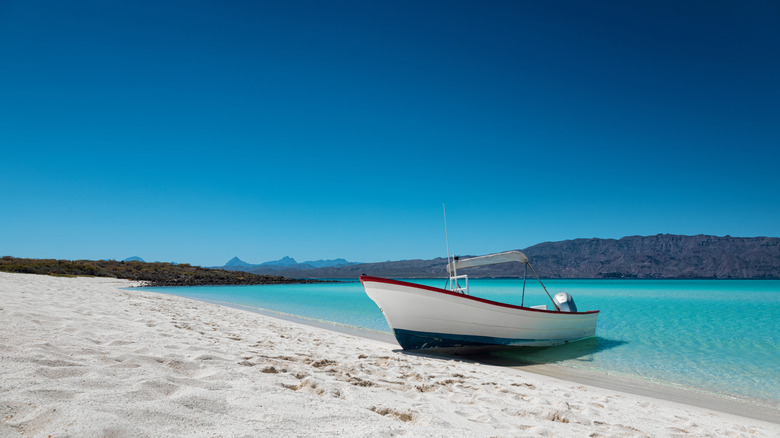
[428,317]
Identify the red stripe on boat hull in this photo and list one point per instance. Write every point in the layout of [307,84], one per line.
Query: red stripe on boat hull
[365,278]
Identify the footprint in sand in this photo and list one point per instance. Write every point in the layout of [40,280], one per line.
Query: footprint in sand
[405,416]
[120,343]
[309,385]
[271,370]
[62,372]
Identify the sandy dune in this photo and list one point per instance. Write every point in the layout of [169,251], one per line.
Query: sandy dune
[80,357]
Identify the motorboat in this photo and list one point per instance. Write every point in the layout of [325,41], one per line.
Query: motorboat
[423,317]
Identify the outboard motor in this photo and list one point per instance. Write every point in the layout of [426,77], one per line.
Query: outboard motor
[565,302]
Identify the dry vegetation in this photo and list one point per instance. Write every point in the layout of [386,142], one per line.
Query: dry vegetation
[152,274]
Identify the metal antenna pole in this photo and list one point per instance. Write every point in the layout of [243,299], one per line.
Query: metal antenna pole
[525,273]
[447,240]
[557,307]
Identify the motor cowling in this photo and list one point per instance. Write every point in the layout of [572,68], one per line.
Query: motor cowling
[565,302]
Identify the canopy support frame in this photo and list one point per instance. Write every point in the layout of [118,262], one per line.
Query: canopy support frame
[508,256]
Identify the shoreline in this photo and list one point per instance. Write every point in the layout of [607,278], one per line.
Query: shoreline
[743,406]
[86,357]
[763,410]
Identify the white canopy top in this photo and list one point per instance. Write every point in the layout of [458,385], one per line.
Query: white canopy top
[490,259]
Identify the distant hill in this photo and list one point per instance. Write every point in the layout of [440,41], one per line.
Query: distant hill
[284,264]
[659,256]
[133,259]
[397,269]
[235,261]
[328,263]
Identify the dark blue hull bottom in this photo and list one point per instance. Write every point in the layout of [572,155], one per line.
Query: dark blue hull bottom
[414,340]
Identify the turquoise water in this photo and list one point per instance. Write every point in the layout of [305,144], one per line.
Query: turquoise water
[719,335]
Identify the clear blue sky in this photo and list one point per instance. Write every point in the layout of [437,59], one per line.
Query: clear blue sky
[196,131]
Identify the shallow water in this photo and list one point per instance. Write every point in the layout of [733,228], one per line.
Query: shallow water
[718,335]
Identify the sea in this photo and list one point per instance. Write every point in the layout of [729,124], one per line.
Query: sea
[717,336]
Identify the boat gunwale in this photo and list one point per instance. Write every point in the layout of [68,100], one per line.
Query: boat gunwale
[364,278]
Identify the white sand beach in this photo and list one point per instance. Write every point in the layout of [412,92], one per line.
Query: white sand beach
[82,357]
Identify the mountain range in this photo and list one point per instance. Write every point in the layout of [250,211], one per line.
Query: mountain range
[285,264]
[659,256]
